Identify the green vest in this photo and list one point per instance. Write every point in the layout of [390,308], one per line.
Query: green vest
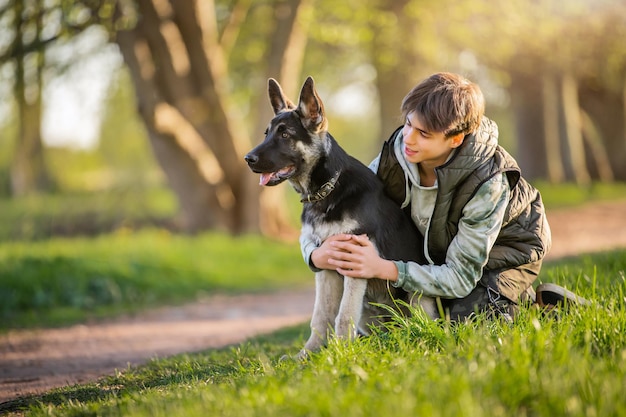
[524,238]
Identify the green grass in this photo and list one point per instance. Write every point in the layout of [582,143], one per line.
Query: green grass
[572,365]
[62,280]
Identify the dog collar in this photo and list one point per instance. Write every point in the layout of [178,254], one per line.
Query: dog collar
[323,192]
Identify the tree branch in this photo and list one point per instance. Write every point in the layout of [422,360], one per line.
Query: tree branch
[165,72]
[207,21]
[231,30]
[19,51]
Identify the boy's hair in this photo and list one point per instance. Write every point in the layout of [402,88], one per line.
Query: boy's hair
[447,103]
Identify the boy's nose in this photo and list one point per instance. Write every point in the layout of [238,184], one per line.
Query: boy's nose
[407,138]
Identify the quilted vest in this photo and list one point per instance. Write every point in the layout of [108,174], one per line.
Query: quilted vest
[524,238]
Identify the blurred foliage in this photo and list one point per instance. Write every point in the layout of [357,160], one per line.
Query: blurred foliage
[567,195]
[43,216]
[122,157]
[531,36]
[123,145]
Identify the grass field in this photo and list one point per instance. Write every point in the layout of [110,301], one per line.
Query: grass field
[542,365]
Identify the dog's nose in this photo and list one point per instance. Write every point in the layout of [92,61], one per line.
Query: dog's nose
[251,158]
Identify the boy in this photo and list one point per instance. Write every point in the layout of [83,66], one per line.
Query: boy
[484,227]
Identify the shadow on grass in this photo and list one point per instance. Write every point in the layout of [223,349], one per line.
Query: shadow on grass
[213,366]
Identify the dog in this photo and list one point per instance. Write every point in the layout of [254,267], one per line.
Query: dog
[339,195]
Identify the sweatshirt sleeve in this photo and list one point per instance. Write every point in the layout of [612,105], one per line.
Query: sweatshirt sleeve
[469,250]
[307,245]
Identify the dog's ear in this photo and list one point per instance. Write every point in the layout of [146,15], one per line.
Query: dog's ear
[278,100]
[311,107]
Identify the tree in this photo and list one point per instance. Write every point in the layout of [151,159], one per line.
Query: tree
[285,56]
[177,53]
[28,172]
[33,26]
[406,48]
[553,56]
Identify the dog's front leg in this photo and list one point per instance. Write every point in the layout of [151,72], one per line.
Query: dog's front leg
[351,308]
[328,290]
[428,304]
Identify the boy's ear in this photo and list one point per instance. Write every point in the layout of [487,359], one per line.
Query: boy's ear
[456,140]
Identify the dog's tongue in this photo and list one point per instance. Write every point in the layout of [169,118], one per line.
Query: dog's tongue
[268,176]
[265,178]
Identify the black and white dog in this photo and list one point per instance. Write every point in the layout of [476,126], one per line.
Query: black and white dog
[339,195]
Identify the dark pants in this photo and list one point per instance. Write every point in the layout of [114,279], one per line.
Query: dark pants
[516,283]
[480,300]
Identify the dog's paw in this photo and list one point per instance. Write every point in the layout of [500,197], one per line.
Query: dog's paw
[345,330]
[285,358]
[302,356]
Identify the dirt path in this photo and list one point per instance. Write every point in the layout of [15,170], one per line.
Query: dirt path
[33,362]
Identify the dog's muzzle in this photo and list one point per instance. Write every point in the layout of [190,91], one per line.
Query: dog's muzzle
[251,159]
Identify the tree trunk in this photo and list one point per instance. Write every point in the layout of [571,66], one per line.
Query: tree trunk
[571,112]
[551,129]
[180,73]
[598,155]
[528,116]
[285,58]
[392,87]
[28,168]
[395,80]
[607,109]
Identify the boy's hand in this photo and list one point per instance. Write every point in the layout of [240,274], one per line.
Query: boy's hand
[321,255]
[355,256]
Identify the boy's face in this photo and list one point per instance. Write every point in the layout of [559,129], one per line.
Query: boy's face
[427,148]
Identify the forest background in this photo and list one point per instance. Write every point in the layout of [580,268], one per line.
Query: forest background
[153,103]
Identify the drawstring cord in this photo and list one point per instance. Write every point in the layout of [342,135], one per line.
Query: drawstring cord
[499,304]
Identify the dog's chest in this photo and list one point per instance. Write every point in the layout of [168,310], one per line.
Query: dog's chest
[319,229]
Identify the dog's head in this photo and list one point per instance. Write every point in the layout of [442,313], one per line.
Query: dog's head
[294,139]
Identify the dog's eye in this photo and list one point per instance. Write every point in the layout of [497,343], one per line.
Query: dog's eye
[265,133]
[282,131]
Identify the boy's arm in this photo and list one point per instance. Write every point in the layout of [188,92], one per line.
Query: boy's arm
[469,250]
